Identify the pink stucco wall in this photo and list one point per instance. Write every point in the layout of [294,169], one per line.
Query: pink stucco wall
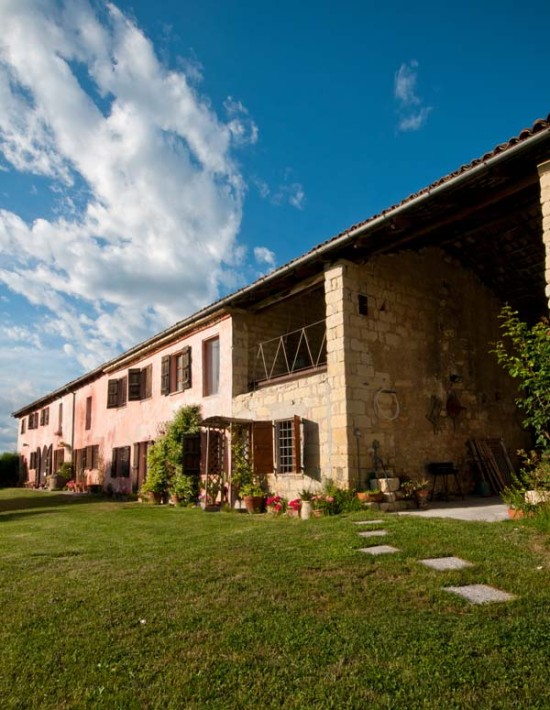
[135,421]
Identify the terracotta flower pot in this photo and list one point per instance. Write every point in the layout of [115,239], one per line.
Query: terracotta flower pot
[254,504]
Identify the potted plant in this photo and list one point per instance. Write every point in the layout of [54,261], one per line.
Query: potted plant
[417,491]
[323,504]
[293,508]
[373,495]
[155,486]
[422,493]
[276,505]
[307,505]
[253,497]
[182,489]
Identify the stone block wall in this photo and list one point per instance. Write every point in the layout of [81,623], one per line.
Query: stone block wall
[420,377]
[308,397]
[408,365]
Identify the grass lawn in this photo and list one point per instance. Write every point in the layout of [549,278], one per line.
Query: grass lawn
[121,605]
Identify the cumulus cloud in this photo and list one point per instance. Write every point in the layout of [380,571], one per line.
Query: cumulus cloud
[148,193]
[412,112]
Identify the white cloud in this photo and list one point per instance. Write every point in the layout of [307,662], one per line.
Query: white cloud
[411,110]
[149,194]
[286,193]
[263,255]
[243,129]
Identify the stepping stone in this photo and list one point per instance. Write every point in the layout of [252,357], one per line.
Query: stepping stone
[373,533]
[368,522]
[445,563]
[480,593]
[379,549]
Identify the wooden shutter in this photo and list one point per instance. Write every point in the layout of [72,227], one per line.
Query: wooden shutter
[124,461]
[112,394]
[48,461]
[88,424]
[262,447]
[46,416]
[42,417]
[122,391]
[114,464]
[147,382]
[296,445]
[89,457]
[186,353]
[134,384]
[165,375]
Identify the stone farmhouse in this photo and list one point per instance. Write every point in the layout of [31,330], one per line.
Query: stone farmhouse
[381,334]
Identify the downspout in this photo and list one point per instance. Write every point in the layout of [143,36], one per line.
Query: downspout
[73,418]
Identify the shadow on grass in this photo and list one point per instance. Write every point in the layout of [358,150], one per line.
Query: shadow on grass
[34,500]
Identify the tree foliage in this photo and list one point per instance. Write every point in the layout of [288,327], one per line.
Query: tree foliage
[9,470]
[524,352]
[165,457]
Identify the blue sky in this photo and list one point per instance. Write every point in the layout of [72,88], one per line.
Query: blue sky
[155,156]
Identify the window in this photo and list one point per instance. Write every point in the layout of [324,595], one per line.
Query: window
[140,383]
[211,366]
[45,417]
[88,424]
[33,420]
[116,392]
[363,304]
[288,458]
[87,458]
[23,425]
[120,464]
[32,462]
[175,374]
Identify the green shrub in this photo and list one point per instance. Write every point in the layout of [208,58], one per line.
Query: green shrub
[525,354]
[9,470]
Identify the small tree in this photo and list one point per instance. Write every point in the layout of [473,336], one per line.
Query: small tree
[525,354]
[165,456]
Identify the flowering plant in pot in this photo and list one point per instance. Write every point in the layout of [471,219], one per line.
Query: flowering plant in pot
[276,505]
[293,508]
